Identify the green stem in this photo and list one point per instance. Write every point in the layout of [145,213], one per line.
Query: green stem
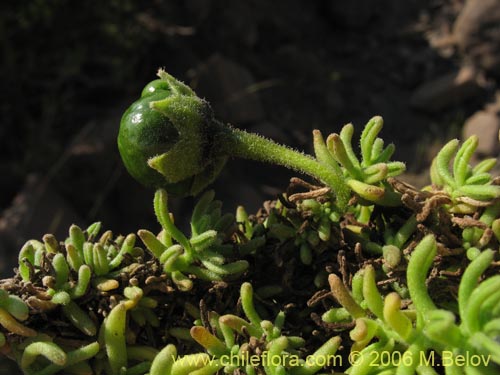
[418,267]
[163,216]
[414,351]
[470,279]
[343,296]
[252,146]
[405,232]
[76,356]
[247,304]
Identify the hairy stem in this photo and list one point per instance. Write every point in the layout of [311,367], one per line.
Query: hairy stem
[252,146]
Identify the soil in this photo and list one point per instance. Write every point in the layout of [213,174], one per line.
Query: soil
[280,68]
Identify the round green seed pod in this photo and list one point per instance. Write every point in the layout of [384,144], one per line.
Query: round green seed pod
[168,138]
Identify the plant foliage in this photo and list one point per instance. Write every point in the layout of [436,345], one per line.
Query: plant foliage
[359,274]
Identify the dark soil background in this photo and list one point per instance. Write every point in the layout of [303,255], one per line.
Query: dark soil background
[280,68]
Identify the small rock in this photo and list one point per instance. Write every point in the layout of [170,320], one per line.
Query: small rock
[230,88]
[451,89]
[477,34]
[484,124]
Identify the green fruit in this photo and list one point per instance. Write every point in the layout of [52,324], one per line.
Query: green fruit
[148,133]
[145,133]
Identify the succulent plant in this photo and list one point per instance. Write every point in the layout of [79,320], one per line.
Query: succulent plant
[410,340]
[366,177]
[203,255]
[413,272]
[467,186]
[264,347]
